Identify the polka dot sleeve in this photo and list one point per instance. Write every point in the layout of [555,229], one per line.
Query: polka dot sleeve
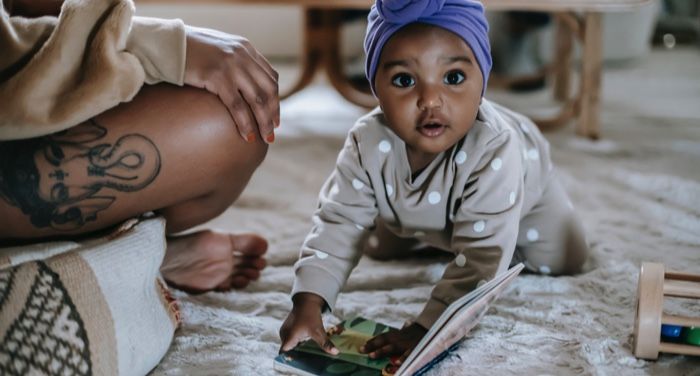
[347,208]
[485,224]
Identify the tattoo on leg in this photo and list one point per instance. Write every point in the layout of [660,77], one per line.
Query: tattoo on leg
[63,180]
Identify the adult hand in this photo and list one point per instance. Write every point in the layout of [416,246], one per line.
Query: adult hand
[230,67]
[305,322]
[394,343]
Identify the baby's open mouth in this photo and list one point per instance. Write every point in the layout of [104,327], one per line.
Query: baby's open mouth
[432,129]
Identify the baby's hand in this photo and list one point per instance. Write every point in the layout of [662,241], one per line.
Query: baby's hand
[305,322]
[394,343]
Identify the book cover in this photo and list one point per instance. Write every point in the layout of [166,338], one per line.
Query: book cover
[348,336]
[443,337]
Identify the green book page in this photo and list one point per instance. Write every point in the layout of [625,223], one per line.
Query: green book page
[348,336]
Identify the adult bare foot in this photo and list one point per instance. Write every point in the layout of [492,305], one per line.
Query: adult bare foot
[207,260]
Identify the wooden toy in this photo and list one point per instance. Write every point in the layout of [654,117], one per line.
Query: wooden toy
[671,331]
[654,284]
[691,335]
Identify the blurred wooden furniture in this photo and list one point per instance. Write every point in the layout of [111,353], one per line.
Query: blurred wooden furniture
[655,283]
[575,20]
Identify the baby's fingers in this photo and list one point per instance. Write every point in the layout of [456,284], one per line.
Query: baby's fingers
[375,343]
[290,340]
[321,338]
[389,349]
[402,358]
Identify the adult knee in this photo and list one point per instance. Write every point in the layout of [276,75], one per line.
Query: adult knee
[236,159]
[222,160]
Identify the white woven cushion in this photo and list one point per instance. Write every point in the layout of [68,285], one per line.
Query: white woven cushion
[94,307]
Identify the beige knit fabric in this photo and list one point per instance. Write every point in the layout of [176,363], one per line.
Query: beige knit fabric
[96,307]
[56,72]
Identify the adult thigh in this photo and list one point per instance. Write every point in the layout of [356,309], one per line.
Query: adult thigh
[169,146]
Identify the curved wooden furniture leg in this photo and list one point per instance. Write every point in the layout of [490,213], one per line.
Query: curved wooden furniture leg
[562,59]
[568,111]
[334,66]
[568,26]
[312,54]
[591,74]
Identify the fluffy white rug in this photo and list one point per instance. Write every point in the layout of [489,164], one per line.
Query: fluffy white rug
[638,192]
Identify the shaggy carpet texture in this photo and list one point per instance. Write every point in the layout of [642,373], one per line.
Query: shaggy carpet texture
[637,191]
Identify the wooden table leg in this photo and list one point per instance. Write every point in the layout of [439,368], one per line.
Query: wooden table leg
[591,74]
[322,51]
[562,59]
[333,64]
[312,54]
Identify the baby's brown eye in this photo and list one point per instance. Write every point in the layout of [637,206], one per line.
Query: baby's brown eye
[403,80]
[454,77]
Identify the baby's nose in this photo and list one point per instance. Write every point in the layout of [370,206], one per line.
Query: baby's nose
[430,98]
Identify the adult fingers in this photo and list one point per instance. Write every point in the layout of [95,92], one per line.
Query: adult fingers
[240,113]
[260,92]
[265,64]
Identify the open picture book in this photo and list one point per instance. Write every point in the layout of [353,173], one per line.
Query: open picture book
[349,335]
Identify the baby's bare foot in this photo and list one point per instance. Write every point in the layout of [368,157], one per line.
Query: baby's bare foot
[207,260]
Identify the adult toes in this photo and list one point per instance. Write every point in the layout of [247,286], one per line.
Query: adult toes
[249,244]
[234,282]
[251,262]
[249,273]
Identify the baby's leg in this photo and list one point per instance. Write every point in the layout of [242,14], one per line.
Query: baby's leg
[383,245]
[551,238]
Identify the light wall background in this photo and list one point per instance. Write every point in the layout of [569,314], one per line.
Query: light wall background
[276,31]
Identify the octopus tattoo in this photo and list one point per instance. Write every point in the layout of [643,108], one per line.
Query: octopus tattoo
[65,179]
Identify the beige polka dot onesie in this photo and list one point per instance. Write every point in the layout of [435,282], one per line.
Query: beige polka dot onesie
[491,191]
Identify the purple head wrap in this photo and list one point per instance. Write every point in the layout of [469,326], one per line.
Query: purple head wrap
[462,17]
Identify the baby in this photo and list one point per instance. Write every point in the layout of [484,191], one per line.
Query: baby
[436,164]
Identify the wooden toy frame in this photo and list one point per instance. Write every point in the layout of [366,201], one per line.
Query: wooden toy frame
[655,283]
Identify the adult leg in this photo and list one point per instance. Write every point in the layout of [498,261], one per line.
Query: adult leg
[171,150]
[551,238]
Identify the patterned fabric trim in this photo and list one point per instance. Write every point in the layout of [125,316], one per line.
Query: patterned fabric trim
[48,336]
[170,303]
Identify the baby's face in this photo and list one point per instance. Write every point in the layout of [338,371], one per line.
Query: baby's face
[429,86]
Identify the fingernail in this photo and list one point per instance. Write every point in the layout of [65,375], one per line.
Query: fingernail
[250,137]
[270,138]
[334,351]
